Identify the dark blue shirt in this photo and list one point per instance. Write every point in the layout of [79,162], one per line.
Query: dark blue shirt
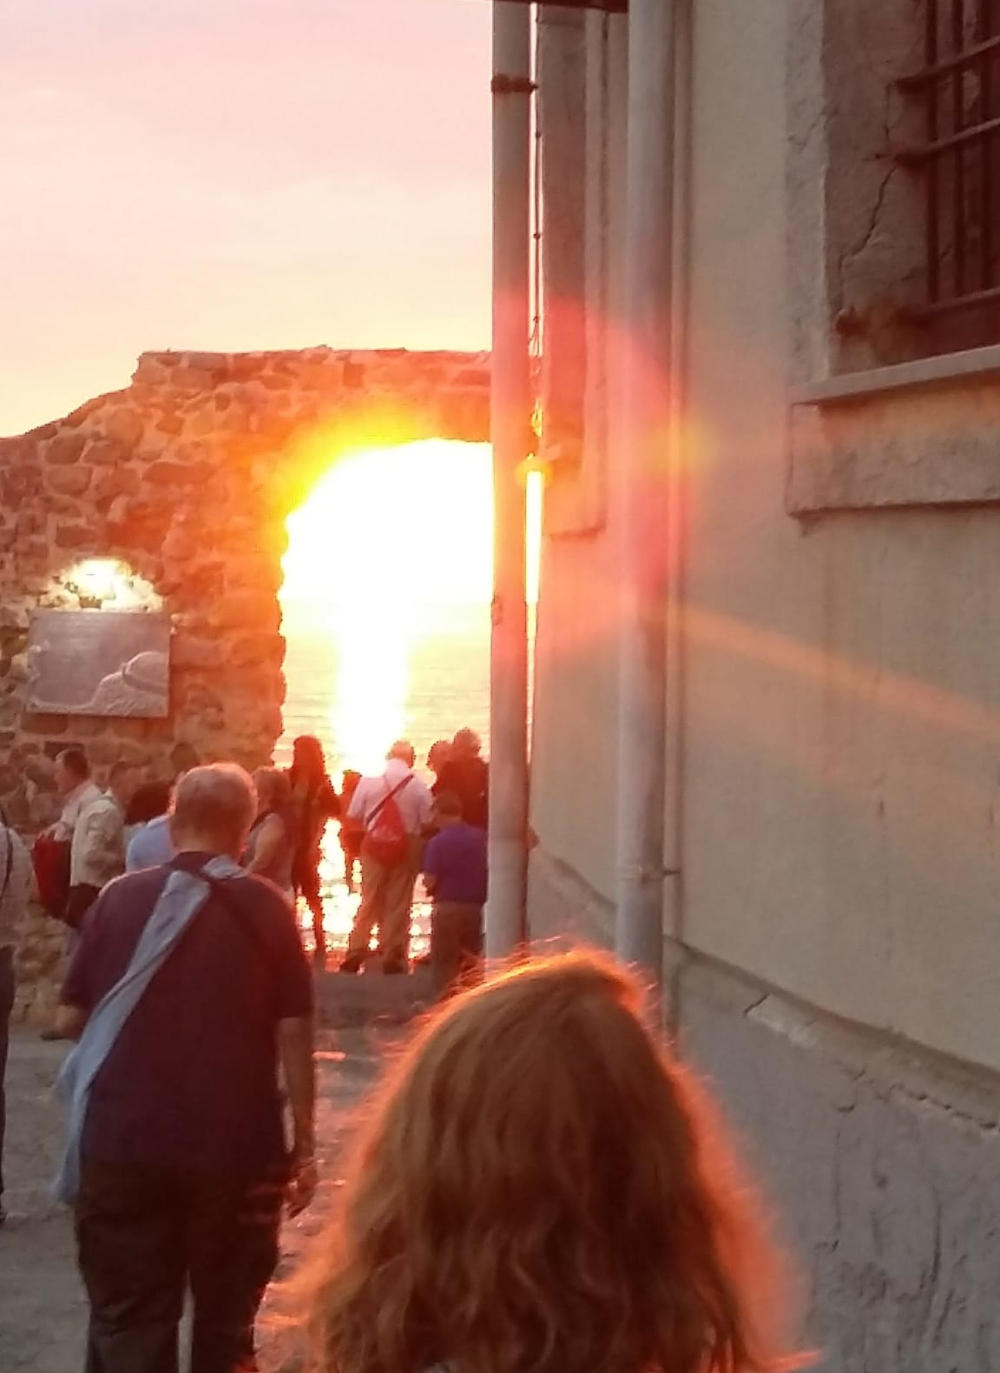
[456,858]
[192,1079]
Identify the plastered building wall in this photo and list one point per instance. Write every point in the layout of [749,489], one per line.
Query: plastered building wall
[834,975]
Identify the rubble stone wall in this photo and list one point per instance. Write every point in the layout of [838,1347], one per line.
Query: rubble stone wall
[184,480]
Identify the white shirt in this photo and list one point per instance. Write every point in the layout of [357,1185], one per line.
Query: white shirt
[97,853]
[414,800]
[78,799]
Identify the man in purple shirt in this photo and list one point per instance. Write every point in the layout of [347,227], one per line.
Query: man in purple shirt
[455,875]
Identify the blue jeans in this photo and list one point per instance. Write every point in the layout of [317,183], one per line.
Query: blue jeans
[6,1006]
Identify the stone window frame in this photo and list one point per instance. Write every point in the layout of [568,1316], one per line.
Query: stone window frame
[865,432]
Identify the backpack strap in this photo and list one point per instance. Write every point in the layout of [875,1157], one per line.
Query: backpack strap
[372,815]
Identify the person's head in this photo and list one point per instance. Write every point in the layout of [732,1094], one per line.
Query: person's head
[307,759]
[183,757]
[466,744]
[148,801]
[212,810]
[447,809]
[402,751]
[350,783]
[122,782]
[539,1188]
[437,755]
[71,769]
[273,789]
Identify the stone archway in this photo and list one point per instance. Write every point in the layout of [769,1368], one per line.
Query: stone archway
[186,478]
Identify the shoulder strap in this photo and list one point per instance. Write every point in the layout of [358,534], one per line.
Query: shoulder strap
[249,931]
[370,817]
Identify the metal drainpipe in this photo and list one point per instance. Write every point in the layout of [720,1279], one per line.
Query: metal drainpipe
[643,470]
[510,432]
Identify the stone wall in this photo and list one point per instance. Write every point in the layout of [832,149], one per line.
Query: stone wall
[172,495]
[185,480]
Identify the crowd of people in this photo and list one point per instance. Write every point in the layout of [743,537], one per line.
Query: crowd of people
[539,1185]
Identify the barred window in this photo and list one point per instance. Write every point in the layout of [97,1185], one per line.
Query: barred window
[957,90]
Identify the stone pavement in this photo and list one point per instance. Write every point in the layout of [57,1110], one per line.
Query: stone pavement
[42,1307]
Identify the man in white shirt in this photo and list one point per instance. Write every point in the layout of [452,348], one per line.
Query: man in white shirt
[97,853]
[75,786]
[16,883]
[387,888]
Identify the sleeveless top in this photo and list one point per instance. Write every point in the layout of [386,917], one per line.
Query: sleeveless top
[279,870]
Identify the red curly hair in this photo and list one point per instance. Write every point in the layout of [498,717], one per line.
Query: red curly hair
[539,1191]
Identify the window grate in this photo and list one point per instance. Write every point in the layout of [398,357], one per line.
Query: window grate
[959,88]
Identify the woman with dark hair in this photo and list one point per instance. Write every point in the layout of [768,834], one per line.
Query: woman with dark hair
[312,801]
[541,1187]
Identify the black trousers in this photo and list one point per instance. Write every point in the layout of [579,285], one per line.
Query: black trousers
[145,1235]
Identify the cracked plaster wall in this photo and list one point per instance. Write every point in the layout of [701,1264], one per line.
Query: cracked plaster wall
[879,1161]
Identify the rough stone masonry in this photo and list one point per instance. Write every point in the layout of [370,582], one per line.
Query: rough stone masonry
[185,479]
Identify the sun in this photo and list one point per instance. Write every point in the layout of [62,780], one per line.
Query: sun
[408,527]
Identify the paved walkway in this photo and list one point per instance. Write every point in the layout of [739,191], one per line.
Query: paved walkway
[42,1307]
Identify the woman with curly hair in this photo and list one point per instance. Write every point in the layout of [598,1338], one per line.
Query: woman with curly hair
[541,1190]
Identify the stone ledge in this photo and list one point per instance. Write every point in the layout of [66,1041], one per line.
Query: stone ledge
[917,434]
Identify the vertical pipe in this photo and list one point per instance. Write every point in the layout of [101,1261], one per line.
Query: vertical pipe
[643,471]
[510,423]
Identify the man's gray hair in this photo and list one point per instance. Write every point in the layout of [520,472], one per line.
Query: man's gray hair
[218,799]
[403,751]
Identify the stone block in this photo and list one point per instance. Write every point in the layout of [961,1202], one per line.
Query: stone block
[107,453]
[190,652]
[63,449]
[170,423]
[74,536]
[165,473]
[69,481]
[125,427]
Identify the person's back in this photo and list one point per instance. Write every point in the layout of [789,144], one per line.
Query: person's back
[539,1188]
[468,776]
[192,1079]
[187,985]
[150,846]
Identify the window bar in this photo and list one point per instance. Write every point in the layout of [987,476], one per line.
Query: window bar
[933,237]
[984,29]
[958,124]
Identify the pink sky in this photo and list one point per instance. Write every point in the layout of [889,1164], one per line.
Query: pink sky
[234,174]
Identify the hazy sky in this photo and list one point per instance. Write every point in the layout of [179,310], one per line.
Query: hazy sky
[230,174]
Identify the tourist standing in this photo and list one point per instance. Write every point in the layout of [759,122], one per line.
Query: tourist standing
[467,775]
[15,891]
[437,756]
[540,1187]
[270,846]
[151,801]
[188,985]
[395,808]
[455,875]
[76,788]
[151,844]
[313,802]
[97,853]
[352,830]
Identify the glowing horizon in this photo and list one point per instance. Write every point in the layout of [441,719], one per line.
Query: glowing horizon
[392,546]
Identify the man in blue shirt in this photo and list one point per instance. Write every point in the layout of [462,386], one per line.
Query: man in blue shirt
[184,1160]
[455,874]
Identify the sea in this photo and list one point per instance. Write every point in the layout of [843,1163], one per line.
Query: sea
[358,690]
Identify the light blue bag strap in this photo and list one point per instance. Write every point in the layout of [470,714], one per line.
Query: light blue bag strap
[183,896]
